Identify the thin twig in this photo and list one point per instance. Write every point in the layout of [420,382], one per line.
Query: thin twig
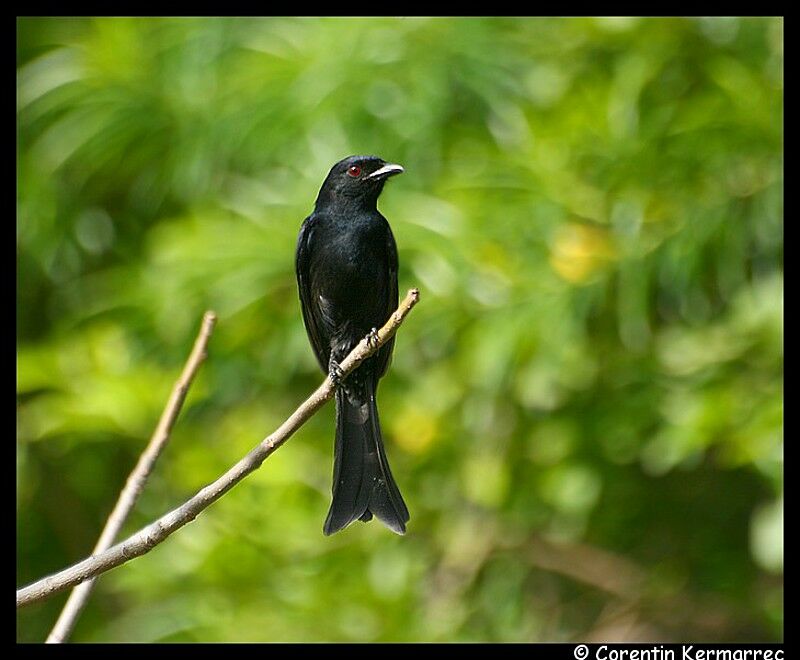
[148,537]
[136,480]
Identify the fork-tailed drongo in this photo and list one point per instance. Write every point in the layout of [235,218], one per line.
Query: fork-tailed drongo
[346,264]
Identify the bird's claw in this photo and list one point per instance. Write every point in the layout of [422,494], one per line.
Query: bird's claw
[335,373]
[373,338]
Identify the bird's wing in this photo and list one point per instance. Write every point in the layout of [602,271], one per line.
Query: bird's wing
[384,356]
[313,323]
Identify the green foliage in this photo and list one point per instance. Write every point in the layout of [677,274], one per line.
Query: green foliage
[593,210]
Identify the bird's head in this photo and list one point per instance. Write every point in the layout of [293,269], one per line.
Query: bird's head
[357,179]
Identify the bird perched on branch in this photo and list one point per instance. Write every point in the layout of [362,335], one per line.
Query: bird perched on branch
[346,263]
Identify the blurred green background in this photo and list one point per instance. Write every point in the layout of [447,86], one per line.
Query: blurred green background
[584,413]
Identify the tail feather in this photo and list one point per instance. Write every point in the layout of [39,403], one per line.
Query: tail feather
[363,485]
[395,499]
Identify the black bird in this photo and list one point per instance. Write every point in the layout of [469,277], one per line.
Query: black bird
[346,265]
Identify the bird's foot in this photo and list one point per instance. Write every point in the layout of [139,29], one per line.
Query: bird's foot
[373,338]
[335,373]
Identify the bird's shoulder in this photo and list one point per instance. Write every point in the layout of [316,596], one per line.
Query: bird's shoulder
[329,224]
[319,222]
[314,226]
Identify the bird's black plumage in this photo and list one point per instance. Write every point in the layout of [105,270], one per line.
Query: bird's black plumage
[346,265]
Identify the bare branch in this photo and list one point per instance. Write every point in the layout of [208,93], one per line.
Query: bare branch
[148,537]
[137,479]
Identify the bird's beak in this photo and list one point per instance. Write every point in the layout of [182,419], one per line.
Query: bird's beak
[390,169]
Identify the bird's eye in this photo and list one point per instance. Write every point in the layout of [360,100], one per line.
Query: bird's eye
[354,171]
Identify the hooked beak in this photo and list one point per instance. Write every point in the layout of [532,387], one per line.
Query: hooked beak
[390,169]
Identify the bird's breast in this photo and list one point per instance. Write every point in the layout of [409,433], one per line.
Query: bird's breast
[350,252]
[349,276]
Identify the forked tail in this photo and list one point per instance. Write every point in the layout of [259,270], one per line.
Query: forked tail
[363,485]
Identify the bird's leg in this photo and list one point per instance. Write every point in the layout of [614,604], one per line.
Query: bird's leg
[372,338]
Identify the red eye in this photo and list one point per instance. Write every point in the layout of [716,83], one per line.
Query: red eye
[354,170]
